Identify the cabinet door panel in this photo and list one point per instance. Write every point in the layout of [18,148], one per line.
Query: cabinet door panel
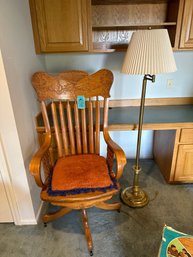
[186,136]
[186,40]
[5,212]
[62,25]
[184,164]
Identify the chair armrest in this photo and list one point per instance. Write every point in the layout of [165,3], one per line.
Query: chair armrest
[114,149]
[35,163]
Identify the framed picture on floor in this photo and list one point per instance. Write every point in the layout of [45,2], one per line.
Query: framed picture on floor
[175,244]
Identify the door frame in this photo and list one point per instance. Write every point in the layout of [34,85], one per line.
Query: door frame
[4,166]
[8,188]
[14,172]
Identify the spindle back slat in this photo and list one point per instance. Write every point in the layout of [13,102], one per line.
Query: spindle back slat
[70,128]
[90,126]
[64,129]
[57,129]
[45,116]
[77,128]
[84,131]
[97,127]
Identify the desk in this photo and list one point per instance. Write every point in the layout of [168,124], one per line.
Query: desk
[173,136]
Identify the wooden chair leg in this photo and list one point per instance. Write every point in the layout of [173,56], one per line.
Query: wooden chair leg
[109,206]
[55,215]
[87,232]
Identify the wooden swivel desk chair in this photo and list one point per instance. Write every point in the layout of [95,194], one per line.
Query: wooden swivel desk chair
[80,178]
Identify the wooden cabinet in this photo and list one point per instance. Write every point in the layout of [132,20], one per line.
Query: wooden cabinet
[113,21]
[164,152]
[59,25]
[186,136]
[173,152]
[105,25]
[186,38]
[184,164]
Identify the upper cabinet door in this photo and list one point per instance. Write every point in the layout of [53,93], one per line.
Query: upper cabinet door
[186,39]
[59,25]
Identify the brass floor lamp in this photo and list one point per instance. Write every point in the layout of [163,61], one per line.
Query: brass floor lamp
[149,53]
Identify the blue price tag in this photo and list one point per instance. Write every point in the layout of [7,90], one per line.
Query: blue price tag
[81,102]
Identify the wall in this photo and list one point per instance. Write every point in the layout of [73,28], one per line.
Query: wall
[125,86]
[129,87]
[20,60]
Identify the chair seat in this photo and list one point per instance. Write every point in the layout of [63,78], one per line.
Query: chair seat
[77,174]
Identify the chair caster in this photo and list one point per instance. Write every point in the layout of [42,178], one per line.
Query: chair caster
[91,253]
[45,225]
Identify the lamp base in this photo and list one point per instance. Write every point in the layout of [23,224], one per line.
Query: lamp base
[139,199]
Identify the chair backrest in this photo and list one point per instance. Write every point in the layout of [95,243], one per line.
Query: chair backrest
[77,131]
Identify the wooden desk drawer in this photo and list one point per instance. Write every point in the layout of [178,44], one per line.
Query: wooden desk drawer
[186,136]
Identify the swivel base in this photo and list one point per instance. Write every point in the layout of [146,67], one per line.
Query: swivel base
[139,199]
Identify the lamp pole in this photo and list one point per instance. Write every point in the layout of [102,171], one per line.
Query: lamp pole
[134,196]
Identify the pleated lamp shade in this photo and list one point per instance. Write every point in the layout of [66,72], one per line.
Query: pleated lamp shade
[149,52]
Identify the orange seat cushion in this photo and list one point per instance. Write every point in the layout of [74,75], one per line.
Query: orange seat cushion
[77,174]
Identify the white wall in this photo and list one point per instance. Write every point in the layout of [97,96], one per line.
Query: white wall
[20,60]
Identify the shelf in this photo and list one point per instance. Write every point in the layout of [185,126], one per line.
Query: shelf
[105,26]
[102,50]
[108,47]
[116,2]
[114,21]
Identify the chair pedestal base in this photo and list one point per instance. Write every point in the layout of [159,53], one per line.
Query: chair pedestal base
[109,206]
[65,210]
[55,215]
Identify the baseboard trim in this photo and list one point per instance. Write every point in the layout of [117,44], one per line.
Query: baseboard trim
[37,218]
[28,222]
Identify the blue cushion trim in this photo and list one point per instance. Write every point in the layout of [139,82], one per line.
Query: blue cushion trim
[79,190]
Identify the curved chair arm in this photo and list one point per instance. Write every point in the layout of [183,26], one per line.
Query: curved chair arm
[35,164]
[114,149]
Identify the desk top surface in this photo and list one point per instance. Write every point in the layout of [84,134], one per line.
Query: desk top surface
[155,117]
[152,114]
